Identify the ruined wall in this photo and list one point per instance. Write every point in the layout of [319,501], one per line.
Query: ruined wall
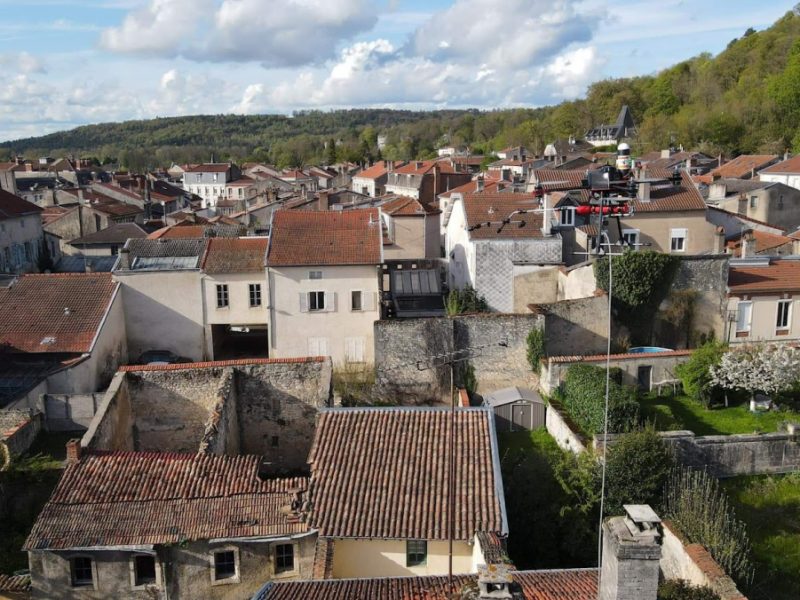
[18,430]
[112,426]
[708,276]
[576,326]
[400,343]
[221,434]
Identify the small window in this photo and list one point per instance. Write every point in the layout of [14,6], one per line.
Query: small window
[355,300]
[315,274]
[744,310]
[416,553]
[81,571]
[677,240]
[222,296]
[144,570]
[784,317]
[316,300]
[568,216]
[274,441]
[284,558]
[753,201]
[224,565]
[255,294]
[630,237]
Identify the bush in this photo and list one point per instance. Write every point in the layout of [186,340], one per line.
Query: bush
[637,467]
[464,301]
[679,589]
[535,350]
[584,400]
[695,372]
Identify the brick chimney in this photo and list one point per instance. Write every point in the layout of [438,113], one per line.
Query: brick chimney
[479,183]
[631,554]
[73,451]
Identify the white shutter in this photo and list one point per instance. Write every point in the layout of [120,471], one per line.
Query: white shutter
[330,301]
[368,301]
[303,301]
[743,314]
[354,349]
[323,347]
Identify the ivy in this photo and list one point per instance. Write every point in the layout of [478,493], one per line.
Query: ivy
[535,351]
[584,400]
[465,301]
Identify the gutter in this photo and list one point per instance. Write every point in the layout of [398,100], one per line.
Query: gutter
[105,316]
[498,476]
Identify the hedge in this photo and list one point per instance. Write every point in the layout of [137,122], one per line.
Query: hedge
[584,400]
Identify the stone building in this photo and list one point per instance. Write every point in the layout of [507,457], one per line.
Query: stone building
[20,234]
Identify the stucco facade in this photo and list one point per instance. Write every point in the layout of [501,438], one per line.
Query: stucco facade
[20,243]
[413,237]
[758,321]
[297,328]
[777,204]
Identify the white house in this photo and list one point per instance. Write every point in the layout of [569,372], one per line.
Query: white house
[322,271]
[786,172]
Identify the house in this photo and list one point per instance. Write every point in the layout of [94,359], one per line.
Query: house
[509,169]
[235,295]
[147,524]
[609,135]
[372,180]
[322,271]
[494,259]
[744,166]
[379,491]
[762,293]
[412,229]
[59,334]
[786,172]
[425,180]
[210,180]
[513,153]
[21,236]
[108,241]
[752,242]
[769,202]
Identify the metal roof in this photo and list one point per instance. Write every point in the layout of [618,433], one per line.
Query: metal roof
[509,395]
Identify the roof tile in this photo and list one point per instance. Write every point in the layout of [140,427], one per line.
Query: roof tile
[235,255]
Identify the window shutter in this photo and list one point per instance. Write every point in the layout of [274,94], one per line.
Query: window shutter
[303,302]
[330,301]
[367,301]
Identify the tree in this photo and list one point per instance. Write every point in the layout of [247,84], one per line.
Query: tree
[768,368]
[330,152]
[695,373]
[465,301]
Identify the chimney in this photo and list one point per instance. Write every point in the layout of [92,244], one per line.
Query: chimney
[719,240]
[643,193]
[666,153]
[419,164]
[124,259]
[324,203]
[547,214]
[494,582]
[389,166]
[631,554]
[479,184]
[786,155]
[73,451]
[748,244]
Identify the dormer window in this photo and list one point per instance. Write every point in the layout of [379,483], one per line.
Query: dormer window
[568,216]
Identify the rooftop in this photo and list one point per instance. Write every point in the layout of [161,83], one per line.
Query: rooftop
[404,206]
[117,233]
[132,498]
[12,206]
[744,165]
[302,237]
[164,254]
[491,208]
[208,168]
[789,166]
[776,276]
[57,312]
[381,473]
[379,169]
[235,255]
[665,197]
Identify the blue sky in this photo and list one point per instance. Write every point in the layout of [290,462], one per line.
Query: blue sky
[70,62]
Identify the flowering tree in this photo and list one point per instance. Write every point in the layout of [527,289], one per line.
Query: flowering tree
[767,368]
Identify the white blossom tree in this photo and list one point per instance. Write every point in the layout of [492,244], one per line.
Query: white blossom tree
[768,368]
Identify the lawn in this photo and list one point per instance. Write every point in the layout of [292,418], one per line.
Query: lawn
[770,506]
[670,413]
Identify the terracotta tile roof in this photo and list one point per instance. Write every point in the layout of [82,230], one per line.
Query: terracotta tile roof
[789,166]
[764,242]
[554,179]
[53,213]
[118,233]
[57,312]
[777,277]
[744,165]
[15,583]
[567,584]
[490,184]
[485,207]
[665,197]
[421,167]
[208,168]
[625,356]
[379,169]
[382,473]
[404,206]
[126,498]
[235,255]
[303,237]
[178,231]
[12,206]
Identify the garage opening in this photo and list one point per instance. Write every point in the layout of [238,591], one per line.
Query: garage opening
[240,341]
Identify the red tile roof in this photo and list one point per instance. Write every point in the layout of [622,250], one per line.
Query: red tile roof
[181,230]
[127,498]
[789,166]
[235,255]
[303,237]
[208,168]
[379,169]
[566,584]
[555,179]
[624,356]
[58,312]
[763,242]
[471,187]
[15,583]
[382,473]
[778,277]
[12,207]
[744,165]
[404,206]
[420,167]
[665,197]
[493,207]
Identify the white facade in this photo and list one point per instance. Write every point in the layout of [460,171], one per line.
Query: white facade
[790,179]
[323,311]
[363,185]
[246,298]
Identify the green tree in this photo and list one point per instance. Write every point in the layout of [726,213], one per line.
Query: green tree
[695,373]
[679,589]
[330,152]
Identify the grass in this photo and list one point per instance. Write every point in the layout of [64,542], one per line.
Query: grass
[669,413]
[770,506]
[537,441]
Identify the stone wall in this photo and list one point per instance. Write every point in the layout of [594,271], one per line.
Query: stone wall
[221,435]
[112,426]
[576,326]
[693,563]
[70,412]
[18,430]
[534,284]
[400,343]
[564,435]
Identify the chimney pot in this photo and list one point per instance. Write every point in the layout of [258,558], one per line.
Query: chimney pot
[73,451]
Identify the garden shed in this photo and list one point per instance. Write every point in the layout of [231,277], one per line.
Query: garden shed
[516,409]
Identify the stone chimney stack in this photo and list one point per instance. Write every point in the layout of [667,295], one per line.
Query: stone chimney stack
[631,554]
[124,260]
[719,240]
[547,214]
[494,582]
[748,244]
[324,203]
[73,451]
[479,184]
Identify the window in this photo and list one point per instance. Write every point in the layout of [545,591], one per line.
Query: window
[315,274]
[284,558]
[753,201]
[81,571]
[316,301]
[744,311]
[354,349]
[222,296]
[630,237]
[317,346]
[355,300]
[144,570]
[216,175]
[784,317]
[98,224]
[416,552]
[224,565]
[568,216]
[241,192]
[255,294]
[677,241]
[275,441]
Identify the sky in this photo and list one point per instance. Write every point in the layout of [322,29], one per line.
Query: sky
[65,63]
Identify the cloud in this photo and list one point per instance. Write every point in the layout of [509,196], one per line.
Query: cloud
[21,62]
[277,34]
